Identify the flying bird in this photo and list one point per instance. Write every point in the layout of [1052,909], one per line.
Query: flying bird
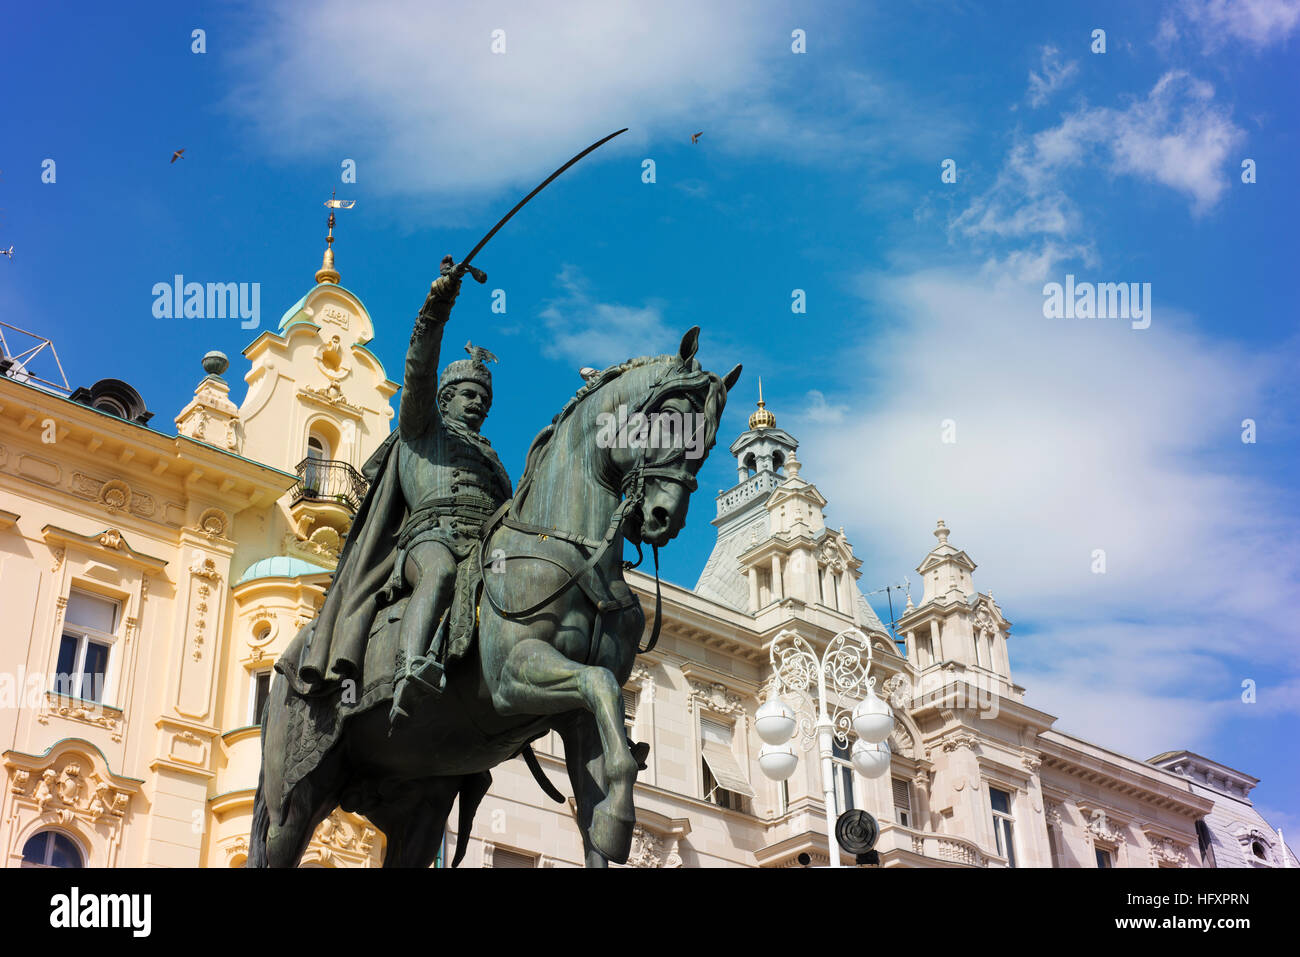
[696,137]
[177,156]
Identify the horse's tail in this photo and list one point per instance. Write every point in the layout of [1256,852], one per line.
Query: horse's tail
[261,814]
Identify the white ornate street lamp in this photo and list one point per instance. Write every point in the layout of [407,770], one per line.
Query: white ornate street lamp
[844,669]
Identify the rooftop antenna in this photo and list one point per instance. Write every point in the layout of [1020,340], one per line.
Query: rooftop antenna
[16,364]
[903,586]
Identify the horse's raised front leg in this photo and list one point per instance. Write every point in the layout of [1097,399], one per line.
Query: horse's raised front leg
[538,679]
[585,760]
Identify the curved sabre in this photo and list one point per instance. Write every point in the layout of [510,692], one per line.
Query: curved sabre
[519,205]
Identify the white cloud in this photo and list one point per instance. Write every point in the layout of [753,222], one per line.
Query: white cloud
[1176,136]
[1055,74]
[1257,23]
[1073,436]
[413,92]
[819,410]
[588,332]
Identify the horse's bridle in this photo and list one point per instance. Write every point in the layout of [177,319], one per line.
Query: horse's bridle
[633,492]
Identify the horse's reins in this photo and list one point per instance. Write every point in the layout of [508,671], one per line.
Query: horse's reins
[633,490]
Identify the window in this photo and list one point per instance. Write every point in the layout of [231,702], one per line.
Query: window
[51,849]
[317,451]
[1003,832]
[88,634]
[723,780]
[1103,858]
[778,462]
[316,447]
[902,802]
[1204,843]
[631,699]
[1257,849]
[843,777]
[501,857]
[261,690]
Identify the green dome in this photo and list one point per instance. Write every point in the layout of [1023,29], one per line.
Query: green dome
[280,566]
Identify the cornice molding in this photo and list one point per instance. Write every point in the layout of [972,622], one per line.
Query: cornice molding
[108,543]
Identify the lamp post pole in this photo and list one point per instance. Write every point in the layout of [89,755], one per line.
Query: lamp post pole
[846,664]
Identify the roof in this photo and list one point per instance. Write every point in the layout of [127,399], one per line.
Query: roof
[281,566]
[293,310]
[722,580]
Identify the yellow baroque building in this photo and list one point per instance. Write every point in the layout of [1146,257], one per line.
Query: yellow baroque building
[149,580]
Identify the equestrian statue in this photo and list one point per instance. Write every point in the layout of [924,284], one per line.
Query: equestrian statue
[465,620]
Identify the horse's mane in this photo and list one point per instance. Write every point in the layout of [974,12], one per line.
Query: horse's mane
[537,450]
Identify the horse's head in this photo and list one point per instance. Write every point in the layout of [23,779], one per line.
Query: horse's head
[670,428]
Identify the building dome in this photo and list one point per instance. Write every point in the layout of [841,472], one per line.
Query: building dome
[762,418]
[281,566]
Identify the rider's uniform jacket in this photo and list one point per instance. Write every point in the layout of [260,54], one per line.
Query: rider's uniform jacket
[451,478]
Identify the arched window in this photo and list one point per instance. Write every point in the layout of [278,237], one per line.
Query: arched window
[317,447]
[51,849]
[318,450]
[111,406]
[778,462]
[750,465]
[1258,850]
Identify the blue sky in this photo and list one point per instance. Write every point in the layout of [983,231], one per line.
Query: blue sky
[817,171]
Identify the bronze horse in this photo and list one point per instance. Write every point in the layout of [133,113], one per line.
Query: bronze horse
[559,630]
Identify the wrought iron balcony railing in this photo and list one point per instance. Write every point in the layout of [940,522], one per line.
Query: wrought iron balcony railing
[325,480]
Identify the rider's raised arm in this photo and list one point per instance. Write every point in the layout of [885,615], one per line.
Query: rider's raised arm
[419,404]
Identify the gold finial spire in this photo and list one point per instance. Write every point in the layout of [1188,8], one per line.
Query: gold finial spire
[762,419]
[327,272]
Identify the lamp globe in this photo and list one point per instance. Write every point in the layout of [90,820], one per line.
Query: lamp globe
[777,761]
[871,759]
[872,719]
[774,721]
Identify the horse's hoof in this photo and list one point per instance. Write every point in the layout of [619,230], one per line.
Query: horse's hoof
[611,835]
[640,752]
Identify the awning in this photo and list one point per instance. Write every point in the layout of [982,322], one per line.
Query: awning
[725,770]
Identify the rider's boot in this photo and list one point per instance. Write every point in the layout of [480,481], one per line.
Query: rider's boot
[422,676]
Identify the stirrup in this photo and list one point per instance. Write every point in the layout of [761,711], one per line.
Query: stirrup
[428,675]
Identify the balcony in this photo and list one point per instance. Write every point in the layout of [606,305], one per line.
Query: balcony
[328,481]
[913,848]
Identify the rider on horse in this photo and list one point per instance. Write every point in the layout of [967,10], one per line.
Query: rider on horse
[449,482]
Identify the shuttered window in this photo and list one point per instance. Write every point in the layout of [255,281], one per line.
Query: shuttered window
[631,699]
[725,783]
[501,857]
[902,802]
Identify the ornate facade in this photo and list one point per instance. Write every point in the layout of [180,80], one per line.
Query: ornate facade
[150,580]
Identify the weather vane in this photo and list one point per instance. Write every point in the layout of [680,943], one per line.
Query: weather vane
[334,204]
